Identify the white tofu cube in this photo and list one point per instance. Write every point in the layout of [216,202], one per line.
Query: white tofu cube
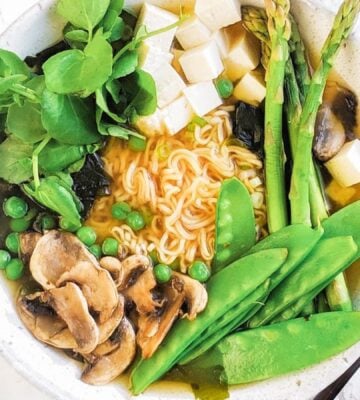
[175,62]
[202,63]
[345,166]
[151,125]
[244,52]
[192,33]
[151,58]
[203,97]
[169,84]
[171,5]
[251,88]
[177,115]
[222,42]
[217,14]
[154,18]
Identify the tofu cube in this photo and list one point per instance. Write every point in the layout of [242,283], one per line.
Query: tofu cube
[244,52]
[222,42]
[192,33]
[251,88]
[202,63]
[345,166]
[151,58]
[203,97]
[154,18]
[174,6]
[217,14]
[151,125]
[177,115]
[169,84]
[175,62]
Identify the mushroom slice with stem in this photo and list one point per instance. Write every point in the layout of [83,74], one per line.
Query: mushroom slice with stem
[60,317]
[108,327]
[110,359]
[60,257]
[133,267]
[114,266]
[27,243]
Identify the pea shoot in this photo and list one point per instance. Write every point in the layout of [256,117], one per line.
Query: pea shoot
[12,242]
[135,220]
[120,210]
[110,247]
[15,207]
[137,144]
[162,273]
[5,258]
[199,271]
[87,235]
[14,269]
[224,87]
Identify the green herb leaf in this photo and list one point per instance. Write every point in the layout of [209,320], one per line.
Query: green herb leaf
[11,64]
[69,119]
[16,163]
[77,35]
[113,87]
[145,100]
[24,122]
[85,14]
[125,65]
[55,194]
[101,102]
[8,82]
[77,71]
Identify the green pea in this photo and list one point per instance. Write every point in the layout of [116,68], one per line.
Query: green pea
[14,270]
[162,273]
[87,235]
[135,220]
[5,258]
[67,226]
[199,271]
[137,144]
[120,210]
[110,247]
[225,87]
[19,224]
[95,249]
[12,242]
[47,223]
[15,207]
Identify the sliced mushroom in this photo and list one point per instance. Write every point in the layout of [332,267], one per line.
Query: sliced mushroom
[27,243]
[114,266]
[133,267]
[152,328]
[60,257]
[140,293]
[108,327]
[60,317]
[111,358]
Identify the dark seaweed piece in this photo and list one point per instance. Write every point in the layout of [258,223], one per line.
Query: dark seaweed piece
[248,125]
[91,181]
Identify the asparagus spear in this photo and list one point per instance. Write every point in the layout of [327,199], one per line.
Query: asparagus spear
[279,30]
[299,192]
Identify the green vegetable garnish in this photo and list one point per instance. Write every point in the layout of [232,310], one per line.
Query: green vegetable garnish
[135,220]
[110,247]
[15,207]
[162,273]
[14,269]
[225,87]
[19,224]
[5,258]
[137,144]
[12,242]
[199,271]
[95,249]
[87,235]
[120,210]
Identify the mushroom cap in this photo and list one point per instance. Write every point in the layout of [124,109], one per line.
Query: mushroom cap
[107,328]
[133,267]
[114,266]
[27,243]
[111,358]
[60,317]
[60,257]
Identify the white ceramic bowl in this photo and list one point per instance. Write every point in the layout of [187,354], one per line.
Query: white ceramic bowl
[27,26]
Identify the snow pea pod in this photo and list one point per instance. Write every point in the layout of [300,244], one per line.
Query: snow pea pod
[328,259]
[278,349]
[226,289]
[298,239]
[235,224]
[227,323]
